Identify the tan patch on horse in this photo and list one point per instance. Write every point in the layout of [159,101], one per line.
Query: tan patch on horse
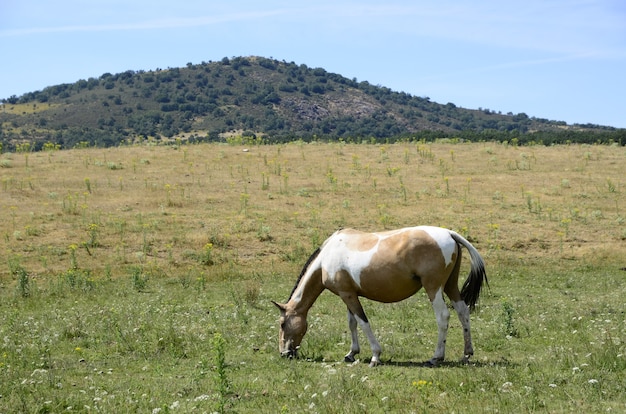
[359,241]
[404,257]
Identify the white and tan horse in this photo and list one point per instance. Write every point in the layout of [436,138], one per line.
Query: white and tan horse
[386,267]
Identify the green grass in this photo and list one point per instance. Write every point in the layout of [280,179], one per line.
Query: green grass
[109,347]
[155,294]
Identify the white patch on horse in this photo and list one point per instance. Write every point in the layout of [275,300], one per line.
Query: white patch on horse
[443,239]
[297,294]
[351,261]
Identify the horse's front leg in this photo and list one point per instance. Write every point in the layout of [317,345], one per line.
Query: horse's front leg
[355,308]
[354,347]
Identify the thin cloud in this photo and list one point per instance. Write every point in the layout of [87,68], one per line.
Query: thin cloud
[158,24]
[554,27]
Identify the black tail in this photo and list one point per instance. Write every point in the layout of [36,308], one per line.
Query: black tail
[474,282]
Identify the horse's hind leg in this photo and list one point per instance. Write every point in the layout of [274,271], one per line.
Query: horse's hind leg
[462,310]
[442,314]
[354,347]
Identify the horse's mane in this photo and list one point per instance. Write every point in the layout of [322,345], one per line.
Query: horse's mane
[304,269]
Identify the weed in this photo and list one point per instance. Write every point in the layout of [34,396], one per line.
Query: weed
[88,185]
[139,280]
[70,204]
[263,233]
[79,279]
[508,320]
[93,230]
[533,204]
[205,257]
[145,243]
[331,177]
[356,162]
[23,280]
[407,156]
[385,219]
[384,154]
[73,262]
[494,233]
[201,282]
[304,192]
[223,383]
[244,200]
[611,185]
[185,280]
[265,182]
[392,171]
[252,293]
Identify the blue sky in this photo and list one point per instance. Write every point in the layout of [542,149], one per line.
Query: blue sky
[557,59]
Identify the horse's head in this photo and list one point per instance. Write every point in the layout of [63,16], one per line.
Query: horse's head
[293,326]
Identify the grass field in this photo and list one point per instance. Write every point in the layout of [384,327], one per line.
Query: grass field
[139,279]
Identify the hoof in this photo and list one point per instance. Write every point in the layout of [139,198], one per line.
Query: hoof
[433,362]
[349,358]
[373,364]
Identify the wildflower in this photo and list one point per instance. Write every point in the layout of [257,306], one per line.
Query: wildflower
[421,384]
[592,381]
[506,387]
[202,397]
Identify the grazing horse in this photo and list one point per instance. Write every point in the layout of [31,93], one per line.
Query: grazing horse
[386,267]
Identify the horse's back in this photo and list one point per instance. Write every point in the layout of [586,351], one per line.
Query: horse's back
[387,266]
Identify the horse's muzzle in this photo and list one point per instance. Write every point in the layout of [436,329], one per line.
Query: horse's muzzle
[291,353]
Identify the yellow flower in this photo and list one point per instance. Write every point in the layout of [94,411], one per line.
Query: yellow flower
[421,384]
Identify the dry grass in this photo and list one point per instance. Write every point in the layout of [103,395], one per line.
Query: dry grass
[23,109]
[163,205]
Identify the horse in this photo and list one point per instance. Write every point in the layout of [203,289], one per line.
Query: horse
[387,267]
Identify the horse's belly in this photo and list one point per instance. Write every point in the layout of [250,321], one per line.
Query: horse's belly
[389,290]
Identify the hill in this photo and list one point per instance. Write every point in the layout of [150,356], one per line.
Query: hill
[255,97]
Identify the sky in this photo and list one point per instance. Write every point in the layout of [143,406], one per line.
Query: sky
[562,60]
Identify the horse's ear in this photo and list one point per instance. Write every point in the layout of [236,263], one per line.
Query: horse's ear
[280,306]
